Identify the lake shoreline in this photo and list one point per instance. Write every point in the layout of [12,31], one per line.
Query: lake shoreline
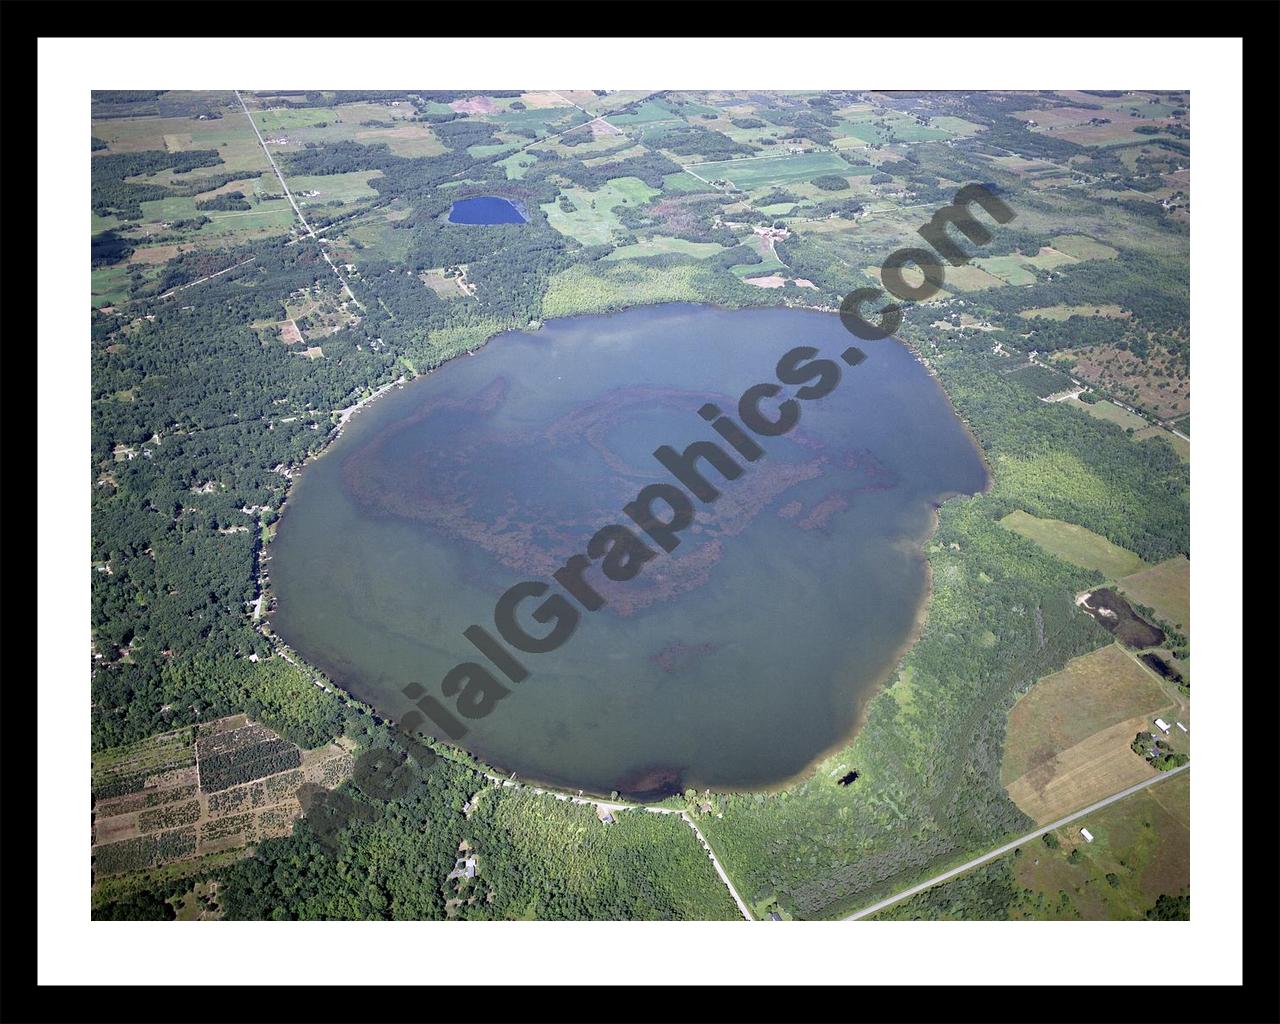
[917,546]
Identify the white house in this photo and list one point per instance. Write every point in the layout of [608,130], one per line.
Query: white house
[1162,725]
[1088,836]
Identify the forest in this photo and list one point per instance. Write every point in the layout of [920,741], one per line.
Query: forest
[112,195]
[538,858]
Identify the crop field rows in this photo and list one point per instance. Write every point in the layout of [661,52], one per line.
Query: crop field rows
[221,786]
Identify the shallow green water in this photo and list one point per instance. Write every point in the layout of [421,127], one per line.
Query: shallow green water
[731,662]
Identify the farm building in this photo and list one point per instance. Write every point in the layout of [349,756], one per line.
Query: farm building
[774,916]
[1180,726]
[1088,836]
[607,819]
[1162,725]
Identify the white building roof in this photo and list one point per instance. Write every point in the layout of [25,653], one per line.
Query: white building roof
[1164,726]
[1088,836]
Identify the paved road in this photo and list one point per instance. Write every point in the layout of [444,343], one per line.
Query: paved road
[742,906]
[292,202]
[1008,847]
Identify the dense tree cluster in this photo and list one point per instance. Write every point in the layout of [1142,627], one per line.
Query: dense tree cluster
[690,140]
[112,195]
[225,201]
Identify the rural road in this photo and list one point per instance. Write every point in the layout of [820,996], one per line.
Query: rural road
[865,911]
[192,284]
[292,202]
[612,806]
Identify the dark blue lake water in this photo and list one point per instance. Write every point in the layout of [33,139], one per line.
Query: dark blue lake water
[733,661]
[485,210]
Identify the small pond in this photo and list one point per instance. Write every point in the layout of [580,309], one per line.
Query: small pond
[486,210]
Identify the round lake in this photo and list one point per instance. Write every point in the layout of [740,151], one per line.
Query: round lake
[485,210]
[733,661]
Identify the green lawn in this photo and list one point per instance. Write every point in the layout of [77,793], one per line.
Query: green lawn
[646,113]
[493,149]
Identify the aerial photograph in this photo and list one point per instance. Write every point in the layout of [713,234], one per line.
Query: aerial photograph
[648,505]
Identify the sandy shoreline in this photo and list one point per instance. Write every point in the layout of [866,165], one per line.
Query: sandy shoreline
[344,415]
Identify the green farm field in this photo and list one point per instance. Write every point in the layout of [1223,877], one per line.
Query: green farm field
[1166,588]
[110,285]
[758,172]
[1010,269]
[1075,544]
[1082,247]
[343,188]
[1065,312]
[1109,412]
[1090,694]
[658,245]
[593,222]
